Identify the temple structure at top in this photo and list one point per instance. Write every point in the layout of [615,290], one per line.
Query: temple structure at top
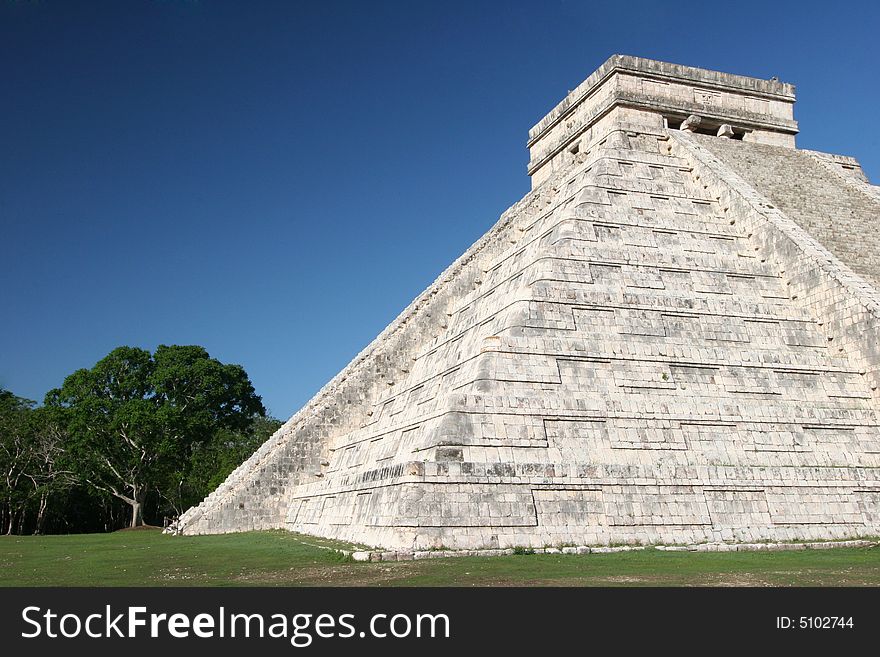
[663,95]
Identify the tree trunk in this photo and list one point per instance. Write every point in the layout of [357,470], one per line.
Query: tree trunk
[14,515]
[41,513]
[137,508]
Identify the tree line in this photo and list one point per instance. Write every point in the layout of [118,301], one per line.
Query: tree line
[136,439]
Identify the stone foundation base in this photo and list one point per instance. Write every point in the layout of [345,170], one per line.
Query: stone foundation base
[407,555]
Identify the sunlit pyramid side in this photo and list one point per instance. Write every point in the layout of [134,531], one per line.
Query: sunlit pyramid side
[673,338]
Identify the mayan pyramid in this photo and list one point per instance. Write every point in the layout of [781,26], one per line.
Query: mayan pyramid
[673,338]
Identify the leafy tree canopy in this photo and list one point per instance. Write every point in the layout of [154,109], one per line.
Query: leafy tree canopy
[135,417]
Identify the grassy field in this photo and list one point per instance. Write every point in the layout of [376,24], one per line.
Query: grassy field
[147,558]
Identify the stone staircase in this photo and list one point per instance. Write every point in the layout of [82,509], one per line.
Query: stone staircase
[842,217]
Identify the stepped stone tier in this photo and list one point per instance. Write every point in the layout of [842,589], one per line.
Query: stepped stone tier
[673,338]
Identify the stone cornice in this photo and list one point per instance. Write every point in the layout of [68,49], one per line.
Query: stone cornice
[663,71]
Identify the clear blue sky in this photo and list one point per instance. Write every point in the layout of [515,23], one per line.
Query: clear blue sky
[277,180]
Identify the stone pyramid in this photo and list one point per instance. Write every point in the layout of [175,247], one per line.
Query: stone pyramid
[673,338]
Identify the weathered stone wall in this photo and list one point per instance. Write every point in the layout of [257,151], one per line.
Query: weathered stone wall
[256,495]
[846,305]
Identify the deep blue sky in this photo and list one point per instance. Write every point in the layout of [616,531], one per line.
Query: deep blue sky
[277,180]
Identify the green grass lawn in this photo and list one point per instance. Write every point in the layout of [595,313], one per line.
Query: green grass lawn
[147,558]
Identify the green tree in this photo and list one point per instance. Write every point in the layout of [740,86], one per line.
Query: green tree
[134,419]
[16,454]
[50,471]
[32,461]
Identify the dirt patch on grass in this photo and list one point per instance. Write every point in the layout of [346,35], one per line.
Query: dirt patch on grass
[733,580]
[151,528]
[330,575]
